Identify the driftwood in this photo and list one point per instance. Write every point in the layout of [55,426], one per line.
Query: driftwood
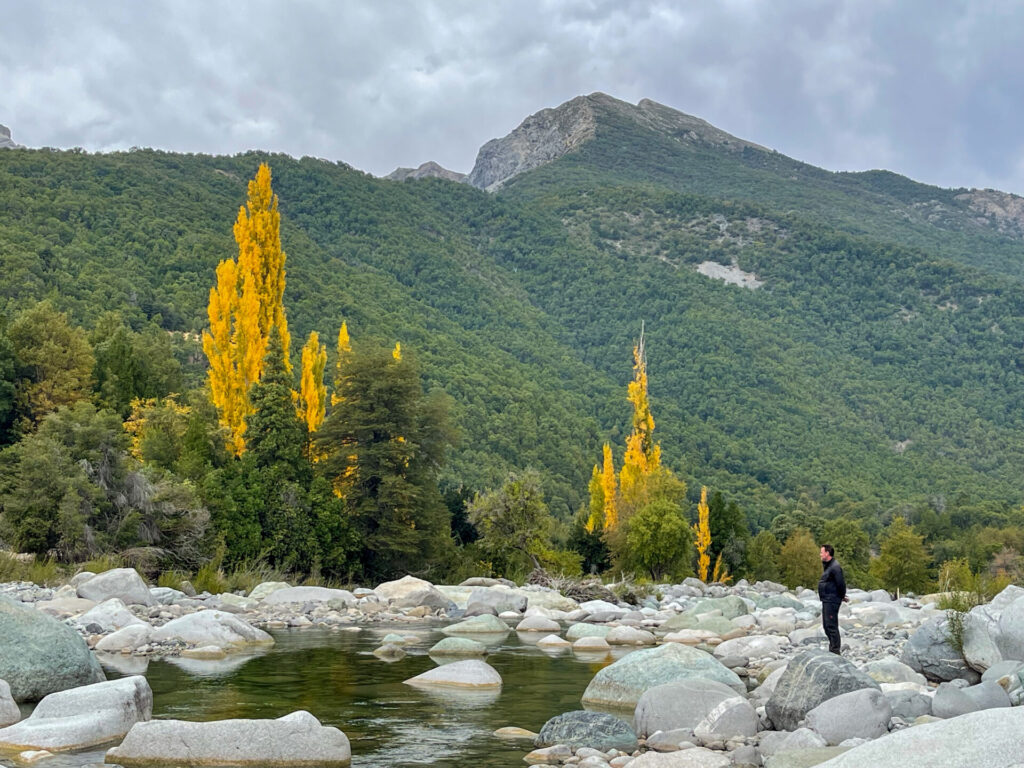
[578,589]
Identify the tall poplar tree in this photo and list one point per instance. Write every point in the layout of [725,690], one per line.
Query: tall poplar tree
[702,536]
[643,456]
[312,390]
[245,304]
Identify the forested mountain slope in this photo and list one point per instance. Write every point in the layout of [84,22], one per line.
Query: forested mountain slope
[879,362]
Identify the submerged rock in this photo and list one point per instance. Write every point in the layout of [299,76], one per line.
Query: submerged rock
[473,674]
[458,646]
[39,655]
[297,739]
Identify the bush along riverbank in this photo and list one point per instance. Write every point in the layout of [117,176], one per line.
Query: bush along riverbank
[704,675]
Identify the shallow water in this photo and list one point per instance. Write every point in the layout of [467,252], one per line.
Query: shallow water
[391,725]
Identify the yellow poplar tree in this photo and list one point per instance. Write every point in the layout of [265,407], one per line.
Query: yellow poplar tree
[246,302]
[609,491]
[312,390]
[702,536]
[397,351]
[344,353]
[595,518]
[643,456]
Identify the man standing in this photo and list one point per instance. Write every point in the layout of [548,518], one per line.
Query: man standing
[831,592]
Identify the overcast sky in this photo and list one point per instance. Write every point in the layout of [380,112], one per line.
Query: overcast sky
[933,88]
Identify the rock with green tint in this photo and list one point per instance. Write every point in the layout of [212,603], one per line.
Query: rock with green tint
[596,730]
[458,646]
[620,685]
[576,631]
[40,655]
[478,625]
[730,606]
[780,601]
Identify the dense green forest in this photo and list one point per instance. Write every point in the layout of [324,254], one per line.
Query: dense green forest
[877,371]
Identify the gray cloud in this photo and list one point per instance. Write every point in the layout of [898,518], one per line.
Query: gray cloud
[926,89]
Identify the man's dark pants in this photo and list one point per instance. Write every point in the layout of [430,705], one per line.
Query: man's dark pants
[830,623]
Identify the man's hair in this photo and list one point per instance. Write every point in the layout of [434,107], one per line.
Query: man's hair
[828,548]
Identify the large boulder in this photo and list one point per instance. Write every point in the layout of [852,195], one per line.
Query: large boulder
[981,650]
[310,595]
[577,631]
[266,588]
[732,718]
[127,639]
[812,677]
[108,616]
[212,628]
[587,729]
[39,655]
[400,588]
[471,673]
[501,599]
[9,711]
[123,583]
[82,717]
[297,739]
[862,714]
[683,704]
[889,669]
[930,652]
[987,739]
[752,647]
[695,757]
[620,685]
[730,606]
[951,700]
[1010,640]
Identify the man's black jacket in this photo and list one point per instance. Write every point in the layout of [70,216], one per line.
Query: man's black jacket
[831,585]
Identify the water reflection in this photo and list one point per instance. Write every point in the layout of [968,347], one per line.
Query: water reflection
[334,675]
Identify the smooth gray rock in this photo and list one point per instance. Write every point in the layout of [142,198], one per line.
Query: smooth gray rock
[862,714]
[806,757]
[980,648]
[500,600]
[986,739]
[929,652]
[538,624]
[297,739]
[40,655]
[730,606]
[82,717]
[952,701]
[891,670]
[458,646]
[9,712]
[110,615]
[123,583]
[587,729]
[909,705]
[212,628]
[473,674]
[751,646]
[621,684]
[478,625]
[732,718]
[682,704]
[130,638]
[310,595]
[811,678]
[262,590]
[695,757]
[582,629]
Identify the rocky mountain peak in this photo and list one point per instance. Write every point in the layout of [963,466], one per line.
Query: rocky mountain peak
[1002,211]
[551,133]
[429,170]
[6,142]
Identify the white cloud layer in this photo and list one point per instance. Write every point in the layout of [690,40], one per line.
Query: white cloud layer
[923,88]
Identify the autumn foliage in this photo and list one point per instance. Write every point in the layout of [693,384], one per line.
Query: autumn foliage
[246,302]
